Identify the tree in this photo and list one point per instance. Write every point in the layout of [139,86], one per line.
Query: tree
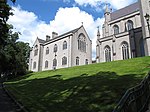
[13,54]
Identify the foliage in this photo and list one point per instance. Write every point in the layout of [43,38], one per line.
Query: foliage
[90,88]
[13,54]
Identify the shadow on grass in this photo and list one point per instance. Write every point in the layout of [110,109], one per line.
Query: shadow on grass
[96,93]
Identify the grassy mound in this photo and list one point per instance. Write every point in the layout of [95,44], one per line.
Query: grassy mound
[90,88]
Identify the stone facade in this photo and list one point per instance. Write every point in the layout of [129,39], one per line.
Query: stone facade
[125,33]
[70,49]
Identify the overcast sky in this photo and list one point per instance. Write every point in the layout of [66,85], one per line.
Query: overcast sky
[38,18]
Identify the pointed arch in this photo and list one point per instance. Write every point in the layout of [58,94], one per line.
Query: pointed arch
[64,60]
[64,45]
[129,25]
[55,48]
[116,29]
[47,50]
[77,60]
[107,52]
[46,64]
[125,50]
[54,62]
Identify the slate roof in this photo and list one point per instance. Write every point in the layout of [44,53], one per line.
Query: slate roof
[125,11]
[72,31]
[41,41]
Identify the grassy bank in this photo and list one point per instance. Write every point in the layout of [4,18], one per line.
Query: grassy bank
[90,88]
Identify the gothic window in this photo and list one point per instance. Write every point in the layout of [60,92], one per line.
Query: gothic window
[54,62]
[86,61]
[125,51]
[129,25]
[47,50]
[34,65]
[77,60]
[116,29]
[46,64]
[55,48]
[107,52]
[35,50]
[64,60]
[64,45]
[82,43]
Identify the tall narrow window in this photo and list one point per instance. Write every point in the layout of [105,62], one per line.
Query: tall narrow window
[35,50]
[64,45]
[129,25]
[47,50]
[55,48]
[34,65]
[54,62]
[77,60]
[125,51]
[46,64]
[64,60]
[116,29]
[82,43]
[107,54]
[86,61]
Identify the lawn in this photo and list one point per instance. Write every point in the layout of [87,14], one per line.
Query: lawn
[90,88]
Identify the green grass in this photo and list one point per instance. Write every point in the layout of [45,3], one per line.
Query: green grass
[90,88]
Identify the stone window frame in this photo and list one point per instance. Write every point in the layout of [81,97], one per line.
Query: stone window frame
[46,64]
[55,48]
[125,50]
[82,42]
[64,45]
[64,60]
[34,65]
[116,29]
[107,53]
[47,50]
[77,60]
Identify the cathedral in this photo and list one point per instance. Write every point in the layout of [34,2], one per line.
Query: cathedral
[73,48]
[125,33]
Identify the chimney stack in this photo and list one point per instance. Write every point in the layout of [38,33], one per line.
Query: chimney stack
[54,34]
[48,37]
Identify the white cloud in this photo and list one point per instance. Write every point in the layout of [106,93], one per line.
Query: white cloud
[66,19]
[116,4]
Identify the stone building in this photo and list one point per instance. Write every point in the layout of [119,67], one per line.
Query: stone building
[69,49]
[125,33]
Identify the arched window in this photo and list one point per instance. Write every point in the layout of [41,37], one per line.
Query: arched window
[64,60]
[47,50]
[36,50]
[64,45]
[55,48]
[116,29]
[125,50]
[86,61]
[129,25]
[77,60]
[82,43]
[54,62]
[46,64]
[34,65]
[107,52]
